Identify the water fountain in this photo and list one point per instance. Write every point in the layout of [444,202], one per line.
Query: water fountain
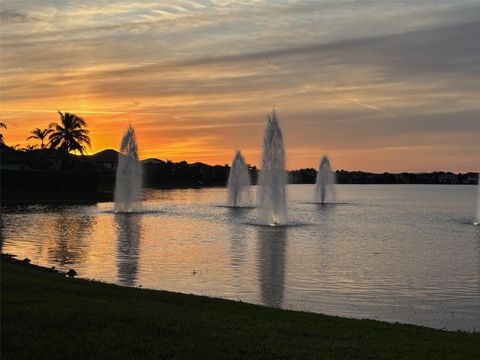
[273,178]
[478,205]
[325,185]
[128,184]
[238,184]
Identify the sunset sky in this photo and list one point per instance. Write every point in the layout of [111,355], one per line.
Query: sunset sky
[377,85]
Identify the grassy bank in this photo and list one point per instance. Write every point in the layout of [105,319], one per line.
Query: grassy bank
[47,316]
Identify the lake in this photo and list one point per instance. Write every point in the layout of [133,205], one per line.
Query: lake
[399,253]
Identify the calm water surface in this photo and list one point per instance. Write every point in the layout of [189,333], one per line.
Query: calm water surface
[395,253]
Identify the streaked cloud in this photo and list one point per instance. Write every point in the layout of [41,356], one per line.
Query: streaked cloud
[365,81]
[13,16]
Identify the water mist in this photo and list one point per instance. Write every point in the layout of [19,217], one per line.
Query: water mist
[325,185]
[478,205]
[128,184]
[238,184]
[273,178]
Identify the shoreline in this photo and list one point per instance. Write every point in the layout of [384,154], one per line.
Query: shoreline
[61,316]
[36,197]
[81,198]
[26,262]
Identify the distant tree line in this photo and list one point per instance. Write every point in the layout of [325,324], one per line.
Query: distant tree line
[100,168]
[52,165]
[160,173]
[309,175]
[170,174]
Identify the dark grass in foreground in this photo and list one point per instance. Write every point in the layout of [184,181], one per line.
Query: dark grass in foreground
[46,316]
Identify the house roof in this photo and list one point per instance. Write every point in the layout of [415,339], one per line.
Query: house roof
[108,155]
[153,161]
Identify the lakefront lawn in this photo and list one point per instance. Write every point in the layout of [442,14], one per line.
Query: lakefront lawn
[48,316]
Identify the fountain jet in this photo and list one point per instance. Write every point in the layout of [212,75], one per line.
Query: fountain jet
[325,186]
[238,182]
[478,205]
[273,178]
[128,184]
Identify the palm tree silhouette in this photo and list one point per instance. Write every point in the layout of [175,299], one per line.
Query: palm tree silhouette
[40,135]
[70,134]
[2,125]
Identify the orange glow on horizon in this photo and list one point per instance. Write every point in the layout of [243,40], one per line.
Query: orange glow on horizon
[198,81]
[166,142]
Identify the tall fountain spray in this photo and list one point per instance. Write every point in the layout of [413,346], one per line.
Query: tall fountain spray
[238,184]
[128,184]
[478,205]
[325,186]
[273,178]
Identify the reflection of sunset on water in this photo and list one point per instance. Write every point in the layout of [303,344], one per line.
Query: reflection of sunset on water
[380,252]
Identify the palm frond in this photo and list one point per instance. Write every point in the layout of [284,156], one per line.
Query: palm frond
[70,134]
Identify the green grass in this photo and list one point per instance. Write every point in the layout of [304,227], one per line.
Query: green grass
[46,316]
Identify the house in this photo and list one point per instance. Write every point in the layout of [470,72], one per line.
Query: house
[447,178]
[106,159]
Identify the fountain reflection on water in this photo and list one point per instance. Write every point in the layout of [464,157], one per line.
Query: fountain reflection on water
[129,235]
[128,183]
[238,185]
[273,178]
[272,243]
[325,185]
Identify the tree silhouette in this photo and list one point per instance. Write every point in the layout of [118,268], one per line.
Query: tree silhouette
[2,125]
[70,134]
[40,135]
[29,148]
